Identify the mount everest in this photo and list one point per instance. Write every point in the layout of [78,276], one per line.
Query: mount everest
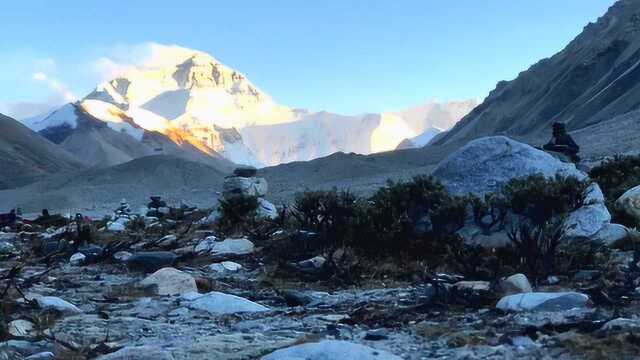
[187,104]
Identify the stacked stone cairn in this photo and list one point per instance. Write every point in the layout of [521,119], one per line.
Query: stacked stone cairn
[244,182]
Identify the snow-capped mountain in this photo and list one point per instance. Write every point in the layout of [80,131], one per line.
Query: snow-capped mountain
[195,102]
[420,140]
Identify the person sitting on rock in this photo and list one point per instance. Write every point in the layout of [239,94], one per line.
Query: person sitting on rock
[562,142]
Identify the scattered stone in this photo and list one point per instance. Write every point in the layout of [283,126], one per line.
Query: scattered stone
[169,281]
[225,267]
[151,261]
[472,286]
[122,256]
[116,227]
[515,284]
[206,245]
[168,241]
[553,280]
[232,247]
[621,325]
[77,259]
[7,248]
[47,355]
[629,202]
[377,335]
[91,252]
[330,349]
[138,353]
[220,303]
[539,301]
[55,303]
[21,328]
[311,266]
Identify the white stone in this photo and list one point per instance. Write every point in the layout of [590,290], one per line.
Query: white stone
[266,209]
[472,286]
[225,266]
[629,202]
[115,226]
[330,349]
[122,256]
[169,281]
[21,328]
[45,355]
[205,245]
[168,240]
[487,164]
[77,259]
[220,303]
[312,265]
[515,284]
[241,246]
[539,301]
[55,303]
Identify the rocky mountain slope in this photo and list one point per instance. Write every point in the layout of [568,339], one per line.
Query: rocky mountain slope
[594,79]
[26,157]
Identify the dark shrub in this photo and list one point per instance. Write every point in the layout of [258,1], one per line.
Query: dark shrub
[615,177]
[236,213]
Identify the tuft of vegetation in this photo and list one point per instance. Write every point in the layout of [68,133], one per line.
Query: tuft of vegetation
[236,213]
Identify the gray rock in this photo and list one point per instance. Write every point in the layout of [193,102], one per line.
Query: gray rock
[151,261]
[21,328]
[593,195]
[487,164]
[629,202]
[539,301]
[232,247]
[515,284]
[621,325]
[169,281]
[330,349]
[7,248]
[138,353]
[91,252]
[311,266]
[586,222]
[47,355]
[225,267]
[122,256]
[611,234]
[219,303]
[55,303]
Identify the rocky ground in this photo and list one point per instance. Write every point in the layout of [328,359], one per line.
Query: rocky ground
[165,292]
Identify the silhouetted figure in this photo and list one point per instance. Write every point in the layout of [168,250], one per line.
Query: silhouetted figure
[562,142]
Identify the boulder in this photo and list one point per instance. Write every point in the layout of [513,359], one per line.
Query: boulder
[330,349]
[46,355]
[266,210]
[219,303]
[515,284]
[122,256]
[244,186]
[150,261]
[116,227]
[169,281]
[206,245]
[629,202]
[311,266]
[485,165]
[593,195]
[138,353]
[539,301]
[167,241]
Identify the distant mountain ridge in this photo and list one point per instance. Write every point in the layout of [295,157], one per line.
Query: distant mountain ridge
[594,79]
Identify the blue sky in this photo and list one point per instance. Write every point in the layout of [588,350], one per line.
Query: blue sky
[346,56]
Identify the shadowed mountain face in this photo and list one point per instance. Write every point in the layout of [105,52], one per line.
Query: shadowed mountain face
[26,156]
[594,79]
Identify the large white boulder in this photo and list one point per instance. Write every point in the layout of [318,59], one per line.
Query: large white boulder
[629,202]
[487,164]
[586,222]
[540,301]
[220,303]
[169,281]
[330,349]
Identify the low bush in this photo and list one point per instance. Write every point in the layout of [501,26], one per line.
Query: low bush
[616,176]
[236,213]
